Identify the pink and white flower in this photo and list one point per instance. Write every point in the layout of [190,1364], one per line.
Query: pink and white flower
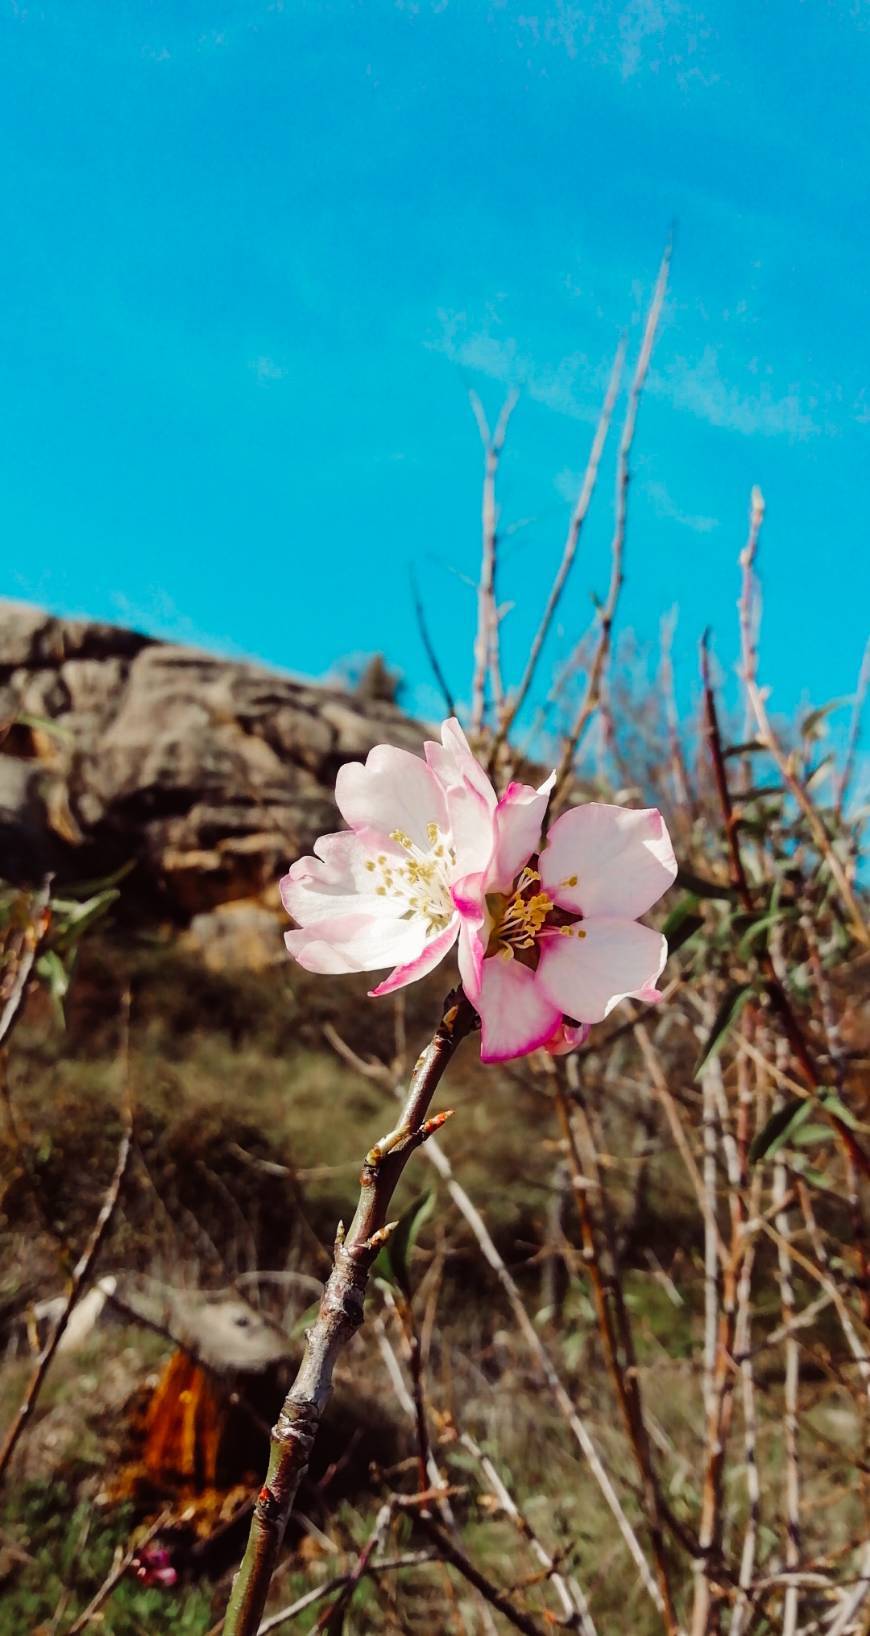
[381,893]
[549,937]
[550,941]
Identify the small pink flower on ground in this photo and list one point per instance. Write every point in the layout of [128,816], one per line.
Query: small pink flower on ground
[380,894]
[153,1566]
[561,946]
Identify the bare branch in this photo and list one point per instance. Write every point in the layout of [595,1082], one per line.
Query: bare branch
[790,1416]
[607,613]
[845,778]
[78,1278]
[486,645]
[569,550]
[561,1396]
[430,650]
[341,1313]
[26,956]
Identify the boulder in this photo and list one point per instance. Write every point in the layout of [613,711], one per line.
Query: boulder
[209,774]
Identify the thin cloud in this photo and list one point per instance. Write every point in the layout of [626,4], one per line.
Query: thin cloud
[698,387]
[570,387]
[267,369]
[666,507]
[644,36]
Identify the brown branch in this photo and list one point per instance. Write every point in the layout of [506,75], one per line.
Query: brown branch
[574,1605]
[408,1559]
[569,550]
[714,745]
[123,1561]
[625,1379]
[27,952]
[360,1568]
[790,1416]
[341,1313]
[845,778]
[430,649]
[607,613]
[776,989]
[497,1598]
[80,1274]
[819,832]
[561,1396]
[679,769]
[486,644]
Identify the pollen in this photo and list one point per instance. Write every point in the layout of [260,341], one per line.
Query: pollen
[525,917]
[420,884]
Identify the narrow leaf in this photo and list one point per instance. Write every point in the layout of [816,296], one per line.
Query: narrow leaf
[724,1020]
[703,888]
[393,1261]
[779,1128]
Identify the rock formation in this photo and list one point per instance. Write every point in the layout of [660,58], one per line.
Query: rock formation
[208,774]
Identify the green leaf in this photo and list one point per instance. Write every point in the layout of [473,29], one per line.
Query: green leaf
[758,928]
[816,717]
[305,1320]
[779,1128]
[790,1123]
[54,974]
[834,1105]
[703,888]
[762,792]
[747,748]
[78,917]
[682,922]
[392,1263]
[809,1134]
[87,888]
[44,724]
[724,1020]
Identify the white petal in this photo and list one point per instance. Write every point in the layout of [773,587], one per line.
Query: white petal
[393,790]
[335,882]
[454,763]
[430,957]
[471,799]
[606,960]
[356,942]
[516,1017]
[518,819]
[622,860]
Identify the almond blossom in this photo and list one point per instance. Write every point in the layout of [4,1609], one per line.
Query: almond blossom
[548,934]
[550,940]
[381,893]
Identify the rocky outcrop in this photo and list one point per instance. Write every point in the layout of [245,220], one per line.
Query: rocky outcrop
[208,774]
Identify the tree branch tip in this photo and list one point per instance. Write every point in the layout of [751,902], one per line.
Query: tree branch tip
[381,1237]
[435,1123]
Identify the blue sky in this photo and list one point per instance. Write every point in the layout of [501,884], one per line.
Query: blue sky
[255,255]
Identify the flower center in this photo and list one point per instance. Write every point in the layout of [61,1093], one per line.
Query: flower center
[420,881]
[519,921]
[524,915]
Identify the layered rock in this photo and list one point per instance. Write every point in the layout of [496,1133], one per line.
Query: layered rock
[208,773]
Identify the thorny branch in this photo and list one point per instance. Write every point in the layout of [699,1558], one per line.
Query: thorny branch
[341,1313]
[78,1279]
